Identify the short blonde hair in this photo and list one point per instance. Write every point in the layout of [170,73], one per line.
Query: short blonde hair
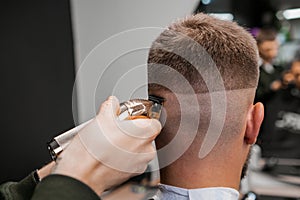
[231,47]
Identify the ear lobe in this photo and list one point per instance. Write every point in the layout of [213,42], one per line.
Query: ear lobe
[254,120]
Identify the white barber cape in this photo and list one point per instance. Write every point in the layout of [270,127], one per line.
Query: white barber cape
[167,192]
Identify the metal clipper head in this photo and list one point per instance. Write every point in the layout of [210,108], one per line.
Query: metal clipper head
[141,108]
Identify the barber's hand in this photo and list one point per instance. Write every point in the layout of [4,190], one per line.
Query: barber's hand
[108,151]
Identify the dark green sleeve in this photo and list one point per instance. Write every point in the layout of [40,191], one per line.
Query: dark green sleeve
[18,190]
[63,187]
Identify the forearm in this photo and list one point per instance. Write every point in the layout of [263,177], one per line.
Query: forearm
[60,187]
[51,187]
[22,190]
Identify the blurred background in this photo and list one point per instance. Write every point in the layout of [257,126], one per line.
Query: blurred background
[44,44]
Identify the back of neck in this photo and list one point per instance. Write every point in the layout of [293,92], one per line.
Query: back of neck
[191,173]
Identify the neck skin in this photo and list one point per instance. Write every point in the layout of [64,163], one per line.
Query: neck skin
[268,61]
[220,168]
[223,165]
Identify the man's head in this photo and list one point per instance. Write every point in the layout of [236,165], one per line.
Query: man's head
[216,63]
[267,44]
[295,71]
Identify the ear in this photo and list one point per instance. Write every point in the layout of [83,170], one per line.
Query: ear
[254,120]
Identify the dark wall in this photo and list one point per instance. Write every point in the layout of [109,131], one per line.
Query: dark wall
[37,76]
[255,13]
[248,13]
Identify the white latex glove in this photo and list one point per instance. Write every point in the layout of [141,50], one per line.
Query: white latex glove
[108,151]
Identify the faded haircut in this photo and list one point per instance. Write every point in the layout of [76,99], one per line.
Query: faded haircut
[229,47]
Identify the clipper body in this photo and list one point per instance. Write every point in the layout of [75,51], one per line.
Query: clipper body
[128,110]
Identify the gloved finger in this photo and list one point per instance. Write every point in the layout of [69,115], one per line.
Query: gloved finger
[141,128]
[110,108]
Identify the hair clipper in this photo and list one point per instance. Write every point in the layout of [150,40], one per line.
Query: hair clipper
[131,109]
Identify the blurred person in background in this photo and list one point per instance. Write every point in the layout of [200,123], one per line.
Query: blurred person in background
[269,73]
[280,132]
